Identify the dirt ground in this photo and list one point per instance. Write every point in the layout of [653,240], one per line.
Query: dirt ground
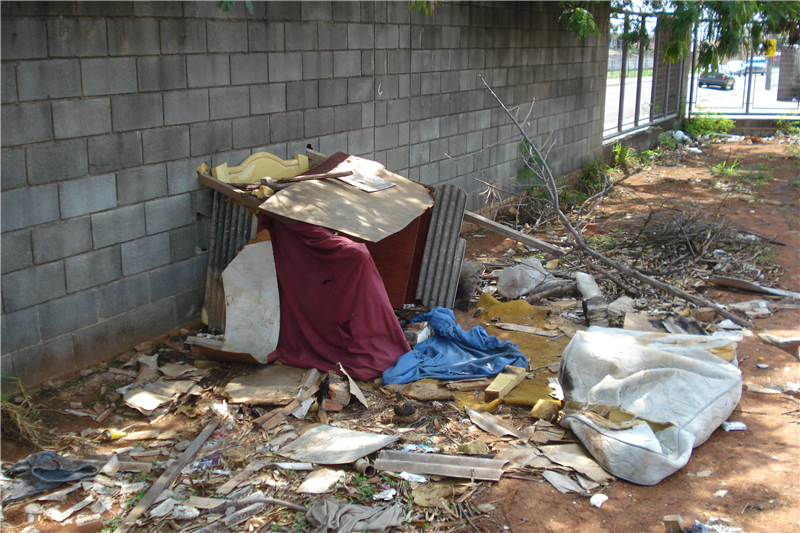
[758,467]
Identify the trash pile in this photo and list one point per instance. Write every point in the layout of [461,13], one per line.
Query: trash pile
[183,436]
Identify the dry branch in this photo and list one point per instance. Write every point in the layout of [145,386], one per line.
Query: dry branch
[550,182]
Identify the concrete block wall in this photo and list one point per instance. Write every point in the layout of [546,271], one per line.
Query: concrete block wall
[108,107]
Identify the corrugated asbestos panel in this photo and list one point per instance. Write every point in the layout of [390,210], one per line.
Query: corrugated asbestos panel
[231,226]
[444,250]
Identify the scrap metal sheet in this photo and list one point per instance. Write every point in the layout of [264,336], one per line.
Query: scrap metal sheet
[341,207]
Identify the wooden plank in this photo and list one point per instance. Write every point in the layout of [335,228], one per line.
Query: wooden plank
[165,479]
[478,220]
[243,198]
[245,474]
[276,416]
[510,377]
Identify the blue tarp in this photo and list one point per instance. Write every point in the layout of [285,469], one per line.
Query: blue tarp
[454,353]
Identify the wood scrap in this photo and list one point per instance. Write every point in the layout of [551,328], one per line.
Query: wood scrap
[504,382]
[527,329]
[276,416]
[165,479]
[466,386]
[244,475]
[424,392]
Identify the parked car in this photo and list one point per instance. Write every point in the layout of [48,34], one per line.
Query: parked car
[758,65]
[736,67]
[721,78]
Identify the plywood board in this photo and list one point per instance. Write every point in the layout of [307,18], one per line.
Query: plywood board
[341,207]
[269,385]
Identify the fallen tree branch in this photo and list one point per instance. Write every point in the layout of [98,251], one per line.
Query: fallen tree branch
[550,182]
[618,282]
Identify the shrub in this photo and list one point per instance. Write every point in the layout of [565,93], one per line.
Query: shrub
[707,123]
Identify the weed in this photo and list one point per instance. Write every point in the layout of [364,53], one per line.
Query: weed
[789,127]
[707,123]
[622,155]
[649,156]
[767,255]
[724,169]
[666,141]
[111,525]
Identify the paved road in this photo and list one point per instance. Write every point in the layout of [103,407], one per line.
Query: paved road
[733,101]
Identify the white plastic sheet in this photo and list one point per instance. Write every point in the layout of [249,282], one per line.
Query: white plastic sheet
[641,401]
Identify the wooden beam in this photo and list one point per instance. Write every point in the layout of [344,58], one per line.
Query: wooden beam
[478,220]
[166,478]
[241,197]
[510,377]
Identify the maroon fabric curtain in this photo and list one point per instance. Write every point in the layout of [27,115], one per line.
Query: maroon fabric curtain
[334,306]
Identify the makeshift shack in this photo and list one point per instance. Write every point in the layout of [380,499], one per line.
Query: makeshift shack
[308,258]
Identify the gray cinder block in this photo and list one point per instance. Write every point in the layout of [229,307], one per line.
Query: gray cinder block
[61,239]
[211,137]
[161,73]
[151,320]
[76,37]
[123,295]
[286,126]
[133,37]
[24,38]
[57,161]
[136,111]
[182,174]
[118,225]
[100,340]
[67,314]
[115,151]
[249,68]
[55,356]
[183,36]
[164,144]
[108,75]
[181,107]
[145,254]
[32,286]
[36,116]
[12,166]
[29,206]
[168,213]
[16,250]
[250,132]
[87,195]
[174,279]
[270,98]
[42,80]
[285,66]
[227,36]
[93,268]
[141,183]
[81,118]
[19,330]
[8,77]
[209,70]
[302,95]
[229,102]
